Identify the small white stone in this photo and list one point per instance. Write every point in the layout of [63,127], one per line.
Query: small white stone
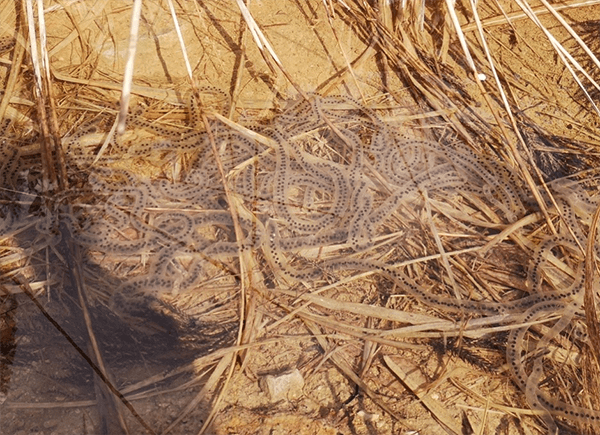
[285,386]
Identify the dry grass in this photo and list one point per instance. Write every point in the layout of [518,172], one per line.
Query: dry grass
[454,74]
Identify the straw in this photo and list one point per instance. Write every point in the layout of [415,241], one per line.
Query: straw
[136,12]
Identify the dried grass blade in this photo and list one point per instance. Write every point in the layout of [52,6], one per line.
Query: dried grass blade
[63,182]
[211,383]
[108,406]
[48,169]
[512,228]
[345,368]
[378,312]
[442,251]
[15,73]
[410,376]
[512,146]
[538,10]
[248,267]
[188,67]
[329,13]
[484,400]
[128,74]
[263,44]
[239,72]
[568,60]
[247,263]
[341,329]
[82,25]
[461,37]
[164,95]
[553,10]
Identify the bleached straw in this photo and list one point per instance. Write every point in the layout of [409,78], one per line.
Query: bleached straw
[128,75]
[186,59]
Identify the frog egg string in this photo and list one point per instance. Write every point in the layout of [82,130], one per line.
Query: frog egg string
[330,177]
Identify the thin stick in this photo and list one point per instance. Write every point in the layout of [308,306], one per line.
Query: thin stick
[461,37]
[186,60]
[239,73]
[244,256]
[128,75]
